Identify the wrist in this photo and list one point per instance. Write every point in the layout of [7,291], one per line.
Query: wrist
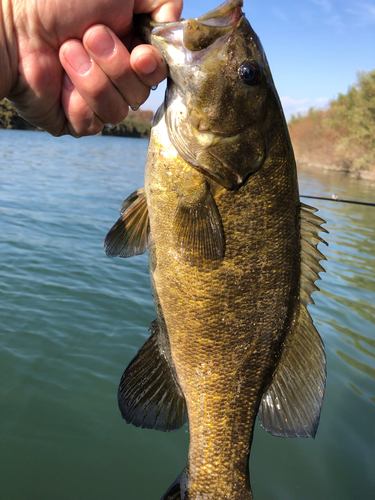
[8,48]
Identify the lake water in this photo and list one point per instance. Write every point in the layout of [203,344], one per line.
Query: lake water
[71,320]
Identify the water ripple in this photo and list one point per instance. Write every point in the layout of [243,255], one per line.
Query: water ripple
[71,320]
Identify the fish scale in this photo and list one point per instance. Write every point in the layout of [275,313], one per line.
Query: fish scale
[232,256]
[230,340]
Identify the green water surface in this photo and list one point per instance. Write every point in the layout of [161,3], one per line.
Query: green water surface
[71,319]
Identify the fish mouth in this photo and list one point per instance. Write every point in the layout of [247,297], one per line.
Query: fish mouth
[204,127]
[222,134]
[198,33]
[228,13]
[187,46]
[189,42]
[218,132]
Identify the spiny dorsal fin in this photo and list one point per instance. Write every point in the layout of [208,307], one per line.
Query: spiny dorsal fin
[291,405]
[199,235]
[149,395]
[310,225]
[130,235]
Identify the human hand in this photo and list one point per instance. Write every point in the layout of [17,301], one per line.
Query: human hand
[94,42]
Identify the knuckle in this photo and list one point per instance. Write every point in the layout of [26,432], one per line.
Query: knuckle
[90,126]
[139,97]
[95,128]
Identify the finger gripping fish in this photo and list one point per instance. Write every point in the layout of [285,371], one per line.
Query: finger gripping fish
[233,259]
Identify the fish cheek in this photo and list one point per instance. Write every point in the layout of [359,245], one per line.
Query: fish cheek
[224,104]
[214,104]
[232,160]
[241,113]
[209,96]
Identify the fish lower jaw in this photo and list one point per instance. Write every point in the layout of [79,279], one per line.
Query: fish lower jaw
[201,125]
[216,133]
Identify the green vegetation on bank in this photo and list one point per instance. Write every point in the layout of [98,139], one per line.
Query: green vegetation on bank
[129,128]
[343,136]
[9,118]
[137,124]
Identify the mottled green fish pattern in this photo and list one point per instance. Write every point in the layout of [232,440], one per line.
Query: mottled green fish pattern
[233,260]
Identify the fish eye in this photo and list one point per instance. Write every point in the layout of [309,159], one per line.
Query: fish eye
[250,73]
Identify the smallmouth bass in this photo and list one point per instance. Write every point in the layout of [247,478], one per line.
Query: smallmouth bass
[233,259]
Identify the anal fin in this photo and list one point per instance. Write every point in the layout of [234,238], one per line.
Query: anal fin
[149,395]
[291,405]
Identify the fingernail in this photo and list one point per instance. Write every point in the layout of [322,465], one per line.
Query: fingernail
[78,58]
[101,43]
[146,64]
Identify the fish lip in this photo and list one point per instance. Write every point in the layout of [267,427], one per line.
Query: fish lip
[227,14]
[228,8]
[217,133]
[204,127]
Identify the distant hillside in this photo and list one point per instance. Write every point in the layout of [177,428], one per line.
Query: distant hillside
[343,136]
[137,123]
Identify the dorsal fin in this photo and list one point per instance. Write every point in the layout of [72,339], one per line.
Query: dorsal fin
[291,405]
[130,235]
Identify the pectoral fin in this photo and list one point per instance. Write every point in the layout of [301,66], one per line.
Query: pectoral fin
[130,235]
[291,405]
[149,395]
[198,230]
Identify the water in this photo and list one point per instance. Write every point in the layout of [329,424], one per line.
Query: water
[71,320]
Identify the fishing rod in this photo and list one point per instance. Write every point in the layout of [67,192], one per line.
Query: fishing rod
[336,198]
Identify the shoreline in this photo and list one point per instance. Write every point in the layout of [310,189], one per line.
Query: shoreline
[137,124]
[363,175]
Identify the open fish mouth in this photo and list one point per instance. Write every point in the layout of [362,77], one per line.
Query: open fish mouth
[228,13]
[198,33]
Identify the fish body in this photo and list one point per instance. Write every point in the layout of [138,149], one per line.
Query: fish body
[233,259]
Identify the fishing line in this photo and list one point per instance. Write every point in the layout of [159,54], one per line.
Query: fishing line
[336,198]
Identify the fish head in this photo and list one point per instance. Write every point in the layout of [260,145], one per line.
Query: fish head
[220,97]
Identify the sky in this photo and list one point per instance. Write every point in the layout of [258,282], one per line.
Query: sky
[314,47]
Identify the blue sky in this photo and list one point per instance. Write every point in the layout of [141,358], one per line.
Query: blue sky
[314,47]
